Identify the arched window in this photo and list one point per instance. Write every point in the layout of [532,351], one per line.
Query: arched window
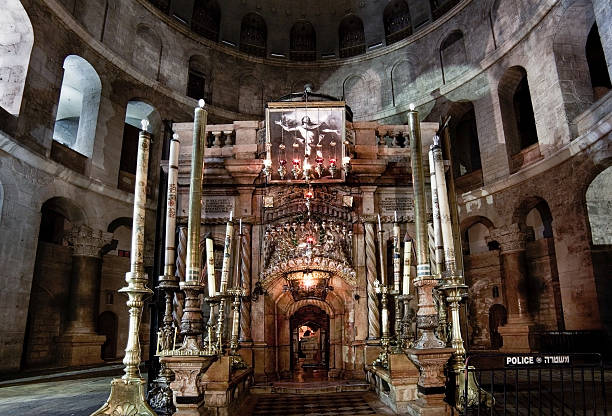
[206,19]
[197,87]
[477,238]
[147,51]
[598,207]
[15,50]
[453,58]
[598,68]
[135,112]
[439,7]
[303,42]
[465,146]
[253,35]
[396,19]
[352,37]
[77,111]
[518,117]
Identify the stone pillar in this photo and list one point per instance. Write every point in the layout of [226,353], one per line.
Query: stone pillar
[373,312]
[514,271]
[80,345]
[245,273]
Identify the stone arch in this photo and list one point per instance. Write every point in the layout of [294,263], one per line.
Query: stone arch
[598,66]
[355,91]
[465,150]
[206,19]
[77,111]
[518,118]
[254,35]
[544,300]
[303,42]
[295,306]
[598,207]
[397,21]
[199,81]
[568,46]
[251,95]
[18,38]
[401,77]
[453,56]
[351,36]
[147,52]
[475,231]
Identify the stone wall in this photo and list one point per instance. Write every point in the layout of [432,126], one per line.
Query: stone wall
[140,53]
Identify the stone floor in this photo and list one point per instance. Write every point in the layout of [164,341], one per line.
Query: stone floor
[75,397]
[346,403]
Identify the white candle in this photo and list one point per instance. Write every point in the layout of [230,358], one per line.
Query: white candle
[171,206]
[397,266]
[379,225]
[210,268]
[407,267]
[227,254]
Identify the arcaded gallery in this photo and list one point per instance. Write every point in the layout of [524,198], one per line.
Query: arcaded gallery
[283,208]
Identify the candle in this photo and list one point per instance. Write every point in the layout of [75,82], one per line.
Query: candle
[435,208]
[227,254]
[383,279]
[140,201]
[210,269]
[240,228]
[193,265]
[407,266]
[445,222]
[171,207]
[397,266]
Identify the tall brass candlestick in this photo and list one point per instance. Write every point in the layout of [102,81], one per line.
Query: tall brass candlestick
[192,321]
[427,314]
[454,288]
[129,390]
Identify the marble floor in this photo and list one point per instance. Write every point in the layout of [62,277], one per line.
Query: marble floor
[75,397]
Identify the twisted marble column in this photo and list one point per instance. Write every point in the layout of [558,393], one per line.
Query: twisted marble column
[373,312]
[181,256]
[245,272]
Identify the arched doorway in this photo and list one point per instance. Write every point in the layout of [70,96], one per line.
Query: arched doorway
[107,325]
[309,328]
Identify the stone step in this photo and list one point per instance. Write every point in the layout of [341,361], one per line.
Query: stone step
[309,388]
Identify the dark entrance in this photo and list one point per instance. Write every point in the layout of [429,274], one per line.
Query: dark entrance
[107,325]
[309,341]
[497,317]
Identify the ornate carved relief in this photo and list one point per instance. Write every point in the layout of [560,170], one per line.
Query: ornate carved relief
[87,242]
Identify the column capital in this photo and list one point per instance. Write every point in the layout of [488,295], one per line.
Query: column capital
[87,241]
[510,238]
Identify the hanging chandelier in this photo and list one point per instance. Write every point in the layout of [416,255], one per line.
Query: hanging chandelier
[308,284]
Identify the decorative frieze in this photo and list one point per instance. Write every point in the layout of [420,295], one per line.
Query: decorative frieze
[87,241]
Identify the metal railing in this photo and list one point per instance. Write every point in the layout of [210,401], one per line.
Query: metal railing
[534,384]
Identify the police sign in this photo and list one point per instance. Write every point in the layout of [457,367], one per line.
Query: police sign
[536,360]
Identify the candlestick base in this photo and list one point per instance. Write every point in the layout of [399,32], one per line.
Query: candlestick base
[127,397]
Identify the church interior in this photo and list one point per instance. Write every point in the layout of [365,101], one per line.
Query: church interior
[266,207]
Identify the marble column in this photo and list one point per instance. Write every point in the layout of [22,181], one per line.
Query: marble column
[80,345]
[245,273]
[512,243]
[373,312]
